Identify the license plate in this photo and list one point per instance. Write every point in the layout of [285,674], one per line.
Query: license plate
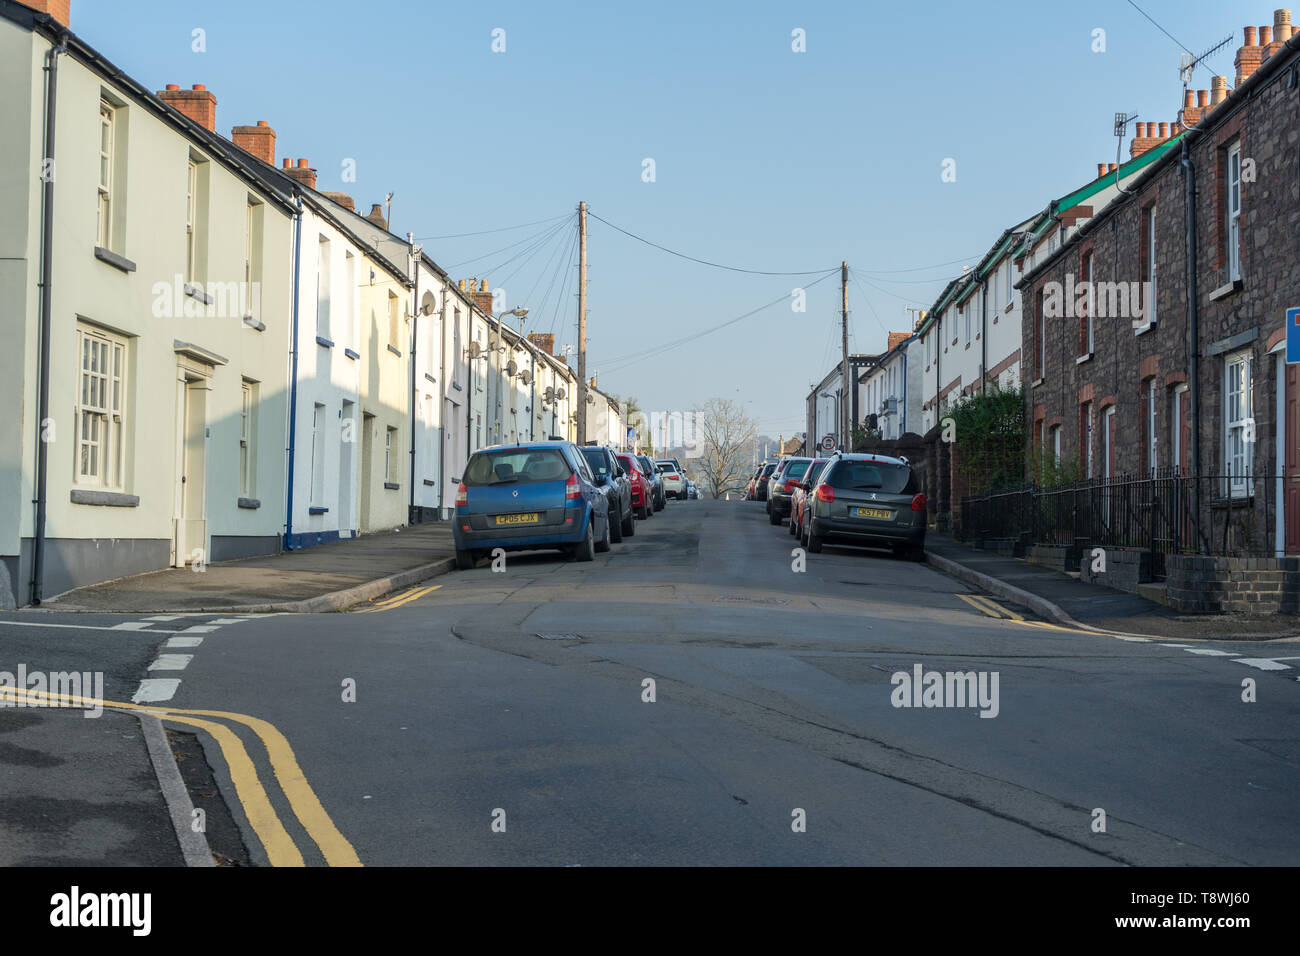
[525,518]
[871,513]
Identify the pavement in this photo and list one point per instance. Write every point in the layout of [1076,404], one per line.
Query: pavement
[326,577]
[1067,600]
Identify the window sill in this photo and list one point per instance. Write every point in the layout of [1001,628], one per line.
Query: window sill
[317,511]
[429,483]
[1009,306]
[1144,329]
[195,291]
[431,378]
[107,499]
[1227,289]
[255,324]
[966,346]
[1087,357]
[1036,382]
[392,486]
[1223,503]
[114,260]
[321,340]
[456,386]
[249,503]
[355,356]
[395,351]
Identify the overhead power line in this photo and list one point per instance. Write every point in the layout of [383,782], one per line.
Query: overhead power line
[705,262]
[486,232]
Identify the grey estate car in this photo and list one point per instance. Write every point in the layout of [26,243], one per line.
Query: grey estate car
[870,500]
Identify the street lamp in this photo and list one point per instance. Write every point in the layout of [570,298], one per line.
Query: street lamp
[835,398]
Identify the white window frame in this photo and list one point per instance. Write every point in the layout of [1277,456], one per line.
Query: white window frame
[394,322]
[1092,302]
[1233,211]
[1176,426]
[1089,466]
[1238,410]
[1152,449]
[324,283]
[317,486]
[1055,432]
[1151,267]
[388,454]
[107,147]
[191,203]
[1106,418]
[100,408]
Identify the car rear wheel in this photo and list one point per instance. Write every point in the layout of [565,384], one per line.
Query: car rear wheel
[642,512]
[615,526]
[465,559]
[794,529]
[773,516]
[815,541]
[603,544]
[629,523]
[586,551]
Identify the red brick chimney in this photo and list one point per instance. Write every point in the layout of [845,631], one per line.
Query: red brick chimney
[343,199]
[377,216]
[197,103]
[58,9]
[480,296]
[544,341]
[258,140]
[1249,55]
[302,172]
[895,338]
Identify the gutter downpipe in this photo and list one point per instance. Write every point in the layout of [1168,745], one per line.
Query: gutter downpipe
[984,338]
[293,369]
[1193,330]
[442,412]
[47,279]
[415,324]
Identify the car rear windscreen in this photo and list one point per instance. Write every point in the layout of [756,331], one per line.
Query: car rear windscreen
[597,459]
[517,465]
[796,469]
[768,469]
[882,476]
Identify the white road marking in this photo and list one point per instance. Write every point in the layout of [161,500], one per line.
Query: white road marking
[1133,640]
[77,627]
[131,626]
[155,690]
[200,629]
[1207,652]
[163,617]
[171,662]
[1176,645]
[184,642]
[228,620]
[1263,663]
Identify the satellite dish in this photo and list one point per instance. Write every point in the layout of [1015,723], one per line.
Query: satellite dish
[525,376]
[474,350]
[549,395]
[590,400]
[511,367]
[559,393]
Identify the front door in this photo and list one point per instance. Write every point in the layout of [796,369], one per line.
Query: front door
[189,537]
[1291,461]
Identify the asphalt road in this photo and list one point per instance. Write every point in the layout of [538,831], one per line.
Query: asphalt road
[472,740]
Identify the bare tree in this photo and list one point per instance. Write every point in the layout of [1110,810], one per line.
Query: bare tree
[725,438]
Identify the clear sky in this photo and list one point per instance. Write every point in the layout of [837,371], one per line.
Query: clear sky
[764,158]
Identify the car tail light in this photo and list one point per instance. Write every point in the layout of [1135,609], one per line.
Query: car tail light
[918,502]
[825,493]
[462,496]
[789,485]
[572,489]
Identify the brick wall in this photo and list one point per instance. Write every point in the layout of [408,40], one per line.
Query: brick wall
[1219,585]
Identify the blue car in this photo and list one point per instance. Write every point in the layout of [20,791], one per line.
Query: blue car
[529,497]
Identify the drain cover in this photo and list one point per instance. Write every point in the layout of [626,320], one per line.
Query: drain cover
[560,637]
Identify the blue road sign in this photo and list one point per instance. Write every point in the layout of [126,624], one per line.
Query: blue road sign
[1292,336]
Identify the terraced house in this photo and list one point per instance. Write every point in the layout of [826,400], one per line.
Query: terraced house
[1159,339]
[147,313]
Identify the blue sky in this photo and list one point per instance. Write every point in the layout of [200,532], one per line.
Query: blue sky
[765,159]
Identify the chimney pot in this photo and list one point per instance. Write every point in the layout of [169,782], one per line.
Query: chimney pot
[1164,130]
[1264,38]
[263,123]
[1202,99]
[483,286]
[1101,170]
[1282,26]
[1112,167]
[198,103]
[302,164]
[288,163]
[1189,99]
[173,86]
[462,285]
[1249,33]
[199,86]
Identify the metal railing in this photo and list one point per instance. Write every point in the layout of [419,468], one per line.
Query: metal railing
[1162,513]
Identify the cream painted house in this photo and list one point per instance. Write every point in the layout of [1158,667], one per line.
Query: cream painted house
[156,438]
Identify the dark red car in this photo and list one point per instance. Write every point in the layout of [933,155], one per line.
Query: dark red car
[799,494]
[642,503]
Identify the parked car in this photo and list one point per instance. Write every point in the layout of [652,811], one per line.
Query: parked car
[642,490]
[799,495]
[760,481]
[674,478]
[868,500]
[781,484]
[656,480]
[526,497]
[751,488]
[612,476]
[692,491]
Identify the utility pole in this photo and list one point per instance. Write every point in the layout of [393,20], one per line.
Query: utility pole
[847,389]
[582,322]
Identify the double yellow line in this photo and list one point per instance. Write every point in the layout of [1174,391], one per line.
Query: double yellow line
[990,607]
[280,847]
[406,597]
